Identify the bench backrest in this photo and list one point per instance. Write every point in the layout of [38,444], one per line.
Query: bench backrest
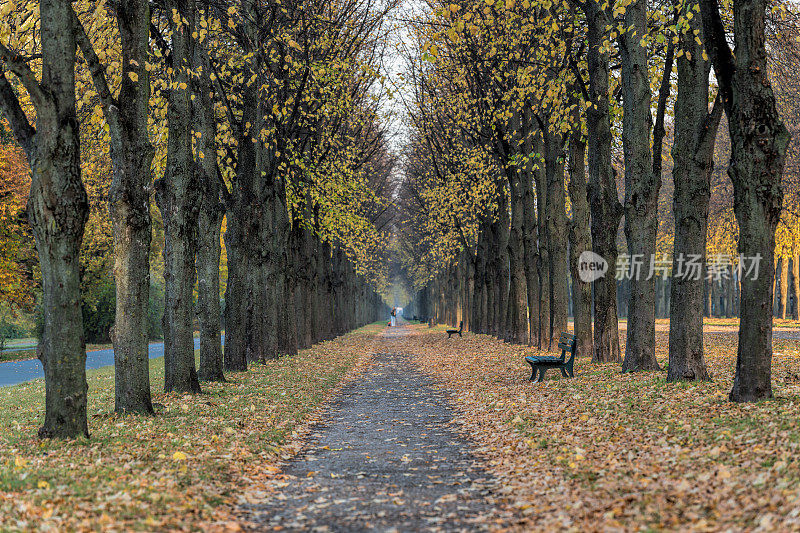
[567,343]
[461,326]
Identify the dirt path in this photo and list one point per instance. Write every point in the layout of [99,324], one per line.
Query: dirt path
[385,459]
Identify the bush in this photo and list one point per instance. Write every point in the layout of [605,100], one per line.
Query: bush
[98,306]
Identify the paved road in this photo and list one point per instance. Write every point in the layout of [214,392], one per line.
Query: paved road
[15,372]
[384,459]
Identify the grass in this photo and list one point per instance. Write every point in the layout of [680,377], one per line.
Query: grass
[184,468]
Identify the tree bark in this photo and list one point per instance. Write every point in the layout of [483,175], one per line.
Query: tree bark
[177,198]
[784,286]
[641,191]
[543,263]
[557,236]
[530,231]
[579,238]
[212,211]
[602,187]
[693,155]
[518,301]
[129,200]
[796,287]
[758,149]
[58,208]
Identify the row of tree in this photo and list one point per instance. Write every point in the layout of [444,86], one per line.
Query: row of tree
[266,115]
[516,102]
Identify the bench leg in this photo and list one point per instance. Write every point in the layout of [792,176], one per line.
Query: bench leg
[533,373]
[564,372]
[569,369]
[542,370]
[459,334]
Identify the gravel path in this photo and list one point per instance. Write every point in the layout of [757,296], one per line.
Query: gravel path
[384,459]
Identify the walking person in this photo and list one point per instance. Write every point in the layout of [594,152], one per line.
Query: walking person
[394,317]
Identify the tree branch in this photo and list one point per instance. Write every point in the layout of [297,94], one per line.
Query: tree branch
[718,50]
[21,70]
[96,67]
[9,103]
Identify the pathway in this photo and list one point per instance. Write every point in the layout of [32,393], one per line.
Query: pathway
[385,459]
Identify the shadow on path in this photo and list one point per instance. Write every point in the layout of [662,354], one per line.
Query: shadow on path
[384,459]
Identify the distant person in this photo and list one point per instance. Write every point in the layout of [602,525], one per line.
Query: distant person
[393,322]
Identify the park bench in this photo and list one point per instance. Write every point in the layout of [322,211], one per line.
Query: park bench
[451,332]
[540,364]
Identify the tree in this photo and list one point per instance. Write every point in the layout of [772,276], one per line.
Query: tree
[641,189]
[604,204]
[177,198]
[57,207]
[132,154]
[759,142]
[693,156]
[209,220]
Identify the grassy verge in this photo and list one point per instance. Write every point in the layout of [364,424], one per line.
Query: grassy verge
[18,355]
[183,469]
[607,451]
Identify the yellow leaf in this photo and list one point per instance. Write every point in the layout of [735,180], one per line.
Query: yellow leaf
[179,456]
[133,76]
[43,484]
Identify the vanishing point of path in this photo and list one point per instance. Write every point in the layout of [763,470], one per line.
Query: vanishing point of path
[384,458]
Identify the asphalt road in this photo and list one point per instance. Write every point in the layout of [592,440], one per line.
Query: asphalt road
[15,372]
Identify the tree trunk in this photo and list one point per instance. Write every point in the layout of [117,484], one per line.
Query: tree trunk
[602,187]
[177,198]
[784,286]
[796,287]
[693,154]
[283,299]
[557,236]
[641,192]
[758,150]
[129,204]
[209,312]
[503,275]
[518,301]
[530,226]
[579,239]
[730,294]
[236,293]
[479,291]
[540,179]
[492,251]
[776,302]
[58,208]
[129,199]
[212,211]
